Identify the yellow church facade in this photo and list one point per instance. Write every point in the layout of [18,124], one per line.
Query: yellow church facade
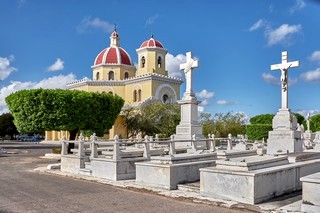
[114,72]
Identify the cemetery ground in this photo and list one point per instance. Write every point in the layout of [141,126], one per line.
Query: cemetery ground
[23,189]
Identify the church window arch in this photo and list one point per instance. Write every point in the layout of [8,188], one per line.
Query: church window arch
[139,95]
[135,96]
[143,62]
[165,98]
[110,92]
[159,61]
[111,75]
[97,76]
[126,75]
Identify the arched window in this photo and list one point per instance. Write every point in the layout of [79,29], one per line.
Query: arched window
[97,76]
[135,96]
[139,95]
[126,75]
[165,98]
[111,75]
[111,93]
[143,61]
[159,61]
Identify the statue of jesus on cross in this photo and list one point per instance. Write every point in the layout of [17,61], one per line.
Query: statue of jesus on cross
[284,66]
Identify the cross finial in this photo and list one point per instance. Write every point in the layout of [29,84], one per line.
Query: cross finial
[152,35]
[115,27]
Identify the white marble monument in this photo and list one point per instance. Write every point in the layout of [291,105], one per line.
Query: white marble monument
[189,125]
[307,135]
[284,137]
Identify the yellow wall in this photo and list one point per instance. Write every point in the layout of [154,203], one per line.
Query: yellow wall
[118,128]
[151,61]
[118,70]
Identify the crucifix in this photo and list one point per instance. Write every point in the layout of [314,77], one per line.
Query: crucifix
[188,69]
[284,66]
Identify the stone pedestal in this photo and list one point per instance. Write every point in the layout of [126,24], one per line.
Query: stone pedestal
[284,137]
[189,124]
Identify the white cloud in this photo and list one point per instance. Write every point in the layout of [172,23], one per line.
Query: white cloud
[204,103]
[299,5]
[205,94]
[173,65]
[270,79]
[55,82]
[5,68]
[292,81]
[56,66]
[311,76]
[151,20]
[224,102]
[315,56]
[259,24]
[312,112]
[96,23]
[200,109]
[281,34]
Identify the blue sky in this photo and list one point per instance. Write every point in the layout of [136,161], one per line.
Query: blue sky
[49,43]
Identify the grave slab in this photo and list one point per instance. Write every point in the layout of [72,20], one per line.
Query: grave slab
[257,185]
[222,154]
[311,193]
[168,171]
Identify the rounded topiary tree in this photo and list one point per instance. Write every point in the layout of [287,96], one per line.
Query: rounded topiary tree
[57,109]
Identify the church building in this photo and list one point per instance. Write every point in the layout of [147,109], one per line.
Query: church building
[113,71]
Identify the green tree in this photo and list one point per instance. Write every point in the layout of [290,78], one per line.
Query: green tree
[222,124]
[260,125]
[153,117]
[7,126]
[262,119]
[300,118]
[315,123]
[71,110]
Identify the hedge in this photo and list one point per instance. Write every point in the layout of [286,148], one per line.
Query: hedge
[258,131]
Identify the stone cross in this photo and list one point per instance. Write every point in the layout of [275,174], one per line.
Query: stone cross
[308,118]
[284,66]
[188,69]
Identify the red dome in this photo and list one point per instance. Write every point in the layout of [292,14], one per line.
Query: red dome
[113,55]
[151,43]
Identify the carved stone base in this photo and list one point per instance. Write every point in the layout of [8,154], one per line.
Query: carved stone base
[284,137]
[189,123]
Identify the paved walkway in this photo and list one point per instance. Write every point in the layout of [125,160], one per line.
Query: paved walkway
[24,190]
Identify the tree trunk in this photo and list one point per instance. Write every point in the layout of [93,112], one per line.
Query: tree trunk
[73,134]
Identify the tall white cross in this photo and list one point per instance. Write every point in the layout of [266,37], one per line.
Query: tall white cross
[188,69]
[284,66]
